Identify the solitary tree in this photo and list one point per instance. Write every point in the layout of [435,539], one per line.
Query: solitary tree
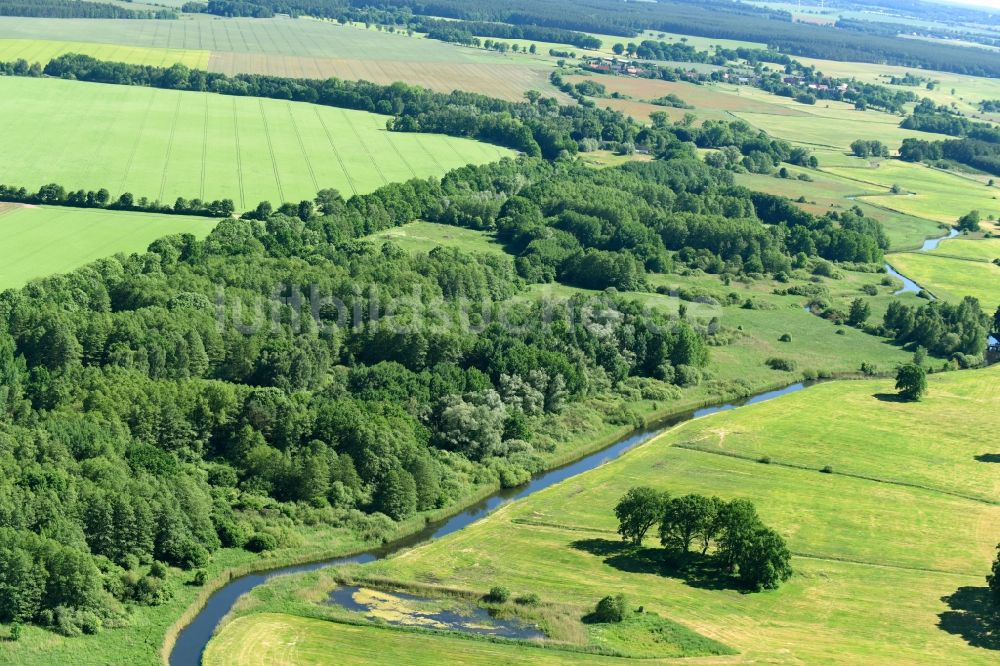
[969,221]
[860,311]
[911,381]
[618,49]
[638,510]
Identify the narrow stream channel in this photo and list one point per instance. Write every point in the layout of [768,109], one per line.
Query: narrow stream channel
[909,286]
[194,637]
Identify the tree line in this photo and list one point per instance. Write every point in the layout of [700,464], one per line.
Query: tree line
[744,547]
[982,155]
[76,9]
[54,194]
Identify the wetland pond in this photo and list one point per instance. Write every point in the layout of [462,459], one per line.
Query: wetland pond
[443,614]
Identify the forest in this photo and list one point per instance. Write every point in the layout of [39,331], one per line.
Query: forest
[158,407]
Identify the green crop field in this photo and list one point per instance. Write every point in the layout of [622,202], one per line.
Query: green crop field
[40,241]
[934,194]
[41,51]
[164,144]
[890,549]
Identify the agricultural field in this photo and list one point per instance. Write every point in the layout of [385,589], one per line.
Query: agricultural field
[285,47]
[41,51]
[933,194]
[905,480]
[164,144]
[42,240]
[835,126]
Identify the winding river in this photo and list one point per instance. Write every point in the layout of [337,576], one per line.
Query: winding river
[194,637]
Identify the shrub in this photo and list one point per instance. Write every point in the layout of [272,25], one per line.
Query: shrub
[783,364]
[827,469]
[868,369]
[610,609]
[765,460]
[200,576]
[498,594]
[785,337]
[870,289]
[260,542]
[15,632]
[530,599]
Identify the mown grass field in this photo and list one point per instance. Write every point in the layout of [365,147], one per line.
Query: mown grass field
[42,50]
[889,558]
[40,241]
[164,144]
[936,195]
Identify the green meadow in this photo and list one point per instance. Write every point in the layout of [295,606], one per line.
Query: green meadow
[40,241]
[958,268]
[904,516]
[164,144]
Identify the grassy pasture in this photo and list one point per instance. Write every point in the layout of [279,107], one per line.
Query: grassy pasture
[937,195]
[40,241]
[163,144]
[42,50]
[857,542]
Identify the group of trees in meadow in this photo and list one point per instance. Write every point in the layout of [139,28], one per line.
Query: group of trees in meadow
[944,329]
[869,149]
[753,553]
